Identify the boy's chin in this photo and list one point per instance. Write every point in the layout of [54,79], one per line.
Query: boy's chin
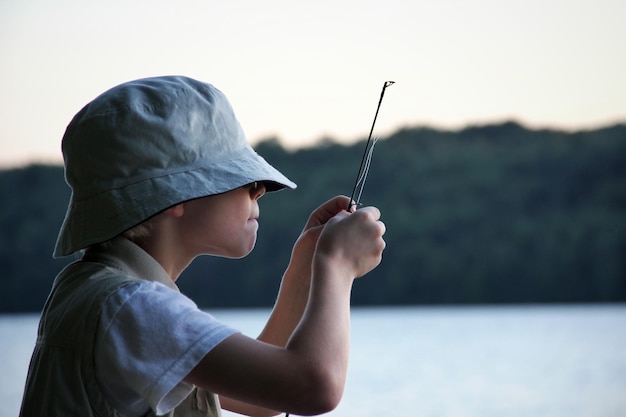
[235,255]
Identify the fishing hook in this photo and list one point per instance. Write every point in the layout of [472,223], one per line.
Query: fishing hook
[367,156]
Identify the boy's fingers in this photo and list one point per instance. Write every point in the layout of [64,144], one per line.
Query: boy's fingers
[371,211]
[327,211]
[383,227]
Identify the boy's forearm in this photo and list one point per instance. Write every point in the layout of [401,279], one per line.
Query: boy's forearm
[323,333]
[289,307]
[312,320]
[293,294]
[327,313]
[314,314]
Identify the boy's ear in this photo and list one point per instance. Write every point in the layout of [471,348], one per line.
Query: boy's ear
[176,211]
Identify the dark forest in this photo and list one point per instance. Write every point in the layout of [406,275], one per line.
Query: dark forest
[482,215]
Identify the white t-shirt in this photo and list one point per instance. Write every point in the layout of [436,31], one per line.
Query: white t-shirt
[150,337]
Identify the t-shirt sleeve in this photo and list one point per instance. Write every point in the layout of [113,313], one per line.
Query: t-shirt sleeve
[150,337]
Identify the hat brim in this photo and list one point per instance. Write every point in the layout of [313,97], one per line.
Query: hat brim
[103,216]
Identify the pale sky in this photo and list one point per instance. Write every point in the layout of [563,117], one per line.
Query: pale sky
[302,71]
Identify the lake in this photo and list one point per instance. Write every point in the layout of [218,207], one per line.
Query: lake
[505,361]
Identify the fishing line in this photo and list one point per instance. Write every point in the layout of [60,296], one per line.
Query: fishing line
[366,170]
[366,160]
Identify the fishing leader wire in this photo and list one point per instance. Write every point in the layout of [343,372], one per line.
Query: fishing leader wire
[366,160]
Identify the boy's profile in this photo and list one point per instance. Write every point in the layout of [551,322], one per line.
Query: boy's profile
[161,172]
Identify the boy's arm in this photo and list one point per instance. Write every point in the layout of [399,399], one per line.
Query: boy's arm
[293,294]
[307,376]
[294,288]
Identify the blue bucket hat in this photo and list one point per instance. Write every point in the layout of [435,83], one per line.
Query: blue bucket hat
[146,145]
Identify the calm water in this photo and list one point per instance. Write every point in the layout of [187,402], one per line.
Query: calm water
[539,361]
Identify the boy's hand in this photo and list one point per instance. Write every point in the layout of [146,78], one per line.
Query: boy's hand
[304,248]
[353,241]
[355,236]
[323,214]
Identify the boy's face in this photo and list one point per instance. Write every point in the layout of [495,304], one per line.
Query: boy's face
[223,224]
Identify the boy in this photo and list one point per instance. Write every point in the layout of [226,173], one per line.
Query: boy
[161,172]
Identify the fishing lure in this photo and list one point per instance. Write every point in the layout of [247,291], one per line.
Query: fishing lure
[367,157]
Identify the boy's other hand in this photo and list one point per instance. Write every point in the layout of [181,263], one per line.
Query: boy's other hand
[304,248]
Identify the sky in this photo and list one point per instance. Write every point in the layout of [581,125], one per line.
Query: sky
[303,71]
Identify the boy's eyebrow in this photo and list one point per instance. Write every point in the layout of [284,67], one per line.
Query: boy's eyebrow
[366,160]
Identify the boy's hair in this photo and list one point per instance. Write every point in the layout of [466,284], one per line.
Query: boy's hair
[141,231]
[147,145]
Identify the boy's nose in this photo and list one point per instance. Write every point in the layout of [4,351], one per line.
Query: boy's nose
[257,190]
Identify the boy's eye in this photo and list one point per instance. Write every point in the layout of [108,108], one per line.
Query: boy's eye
[256,189]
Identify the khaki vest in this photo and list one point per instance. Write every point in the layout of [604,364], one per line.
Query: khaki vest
[61,379]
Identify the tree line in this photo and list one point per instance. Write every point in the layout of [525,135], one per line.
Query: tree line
[485,214]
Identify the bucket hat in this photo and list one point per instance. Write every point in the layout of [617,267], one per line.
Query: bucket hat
[146,145]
